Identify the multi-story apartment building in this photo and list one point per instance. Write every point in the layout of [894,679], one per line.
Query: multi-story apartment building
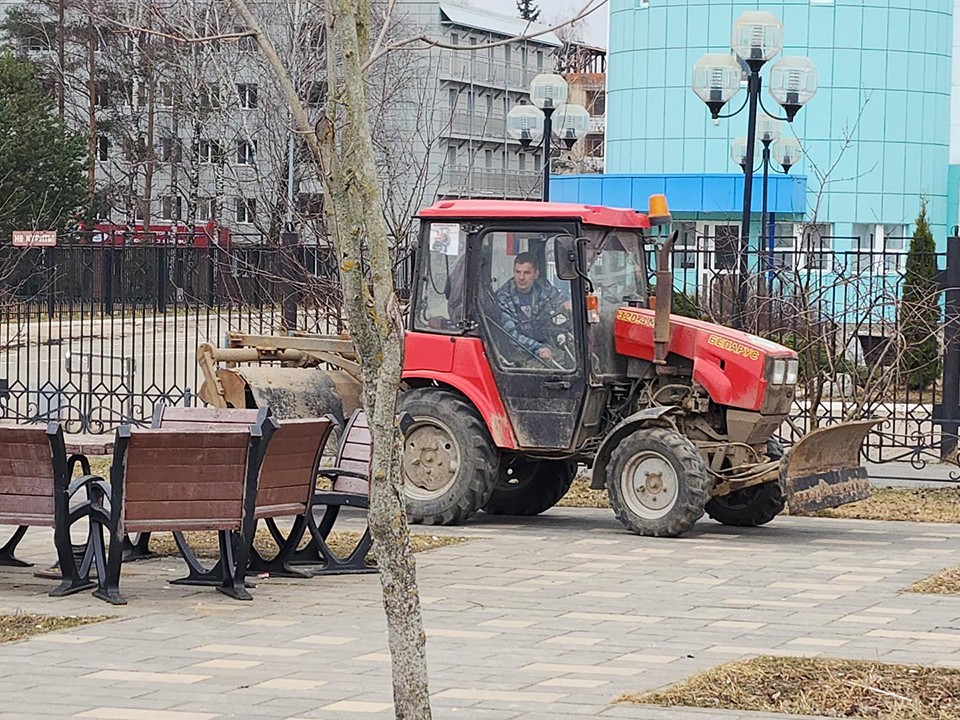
[190,132]
[476,81]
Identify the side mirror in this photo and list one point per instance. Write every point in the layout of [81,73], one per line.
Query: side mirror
[565,254]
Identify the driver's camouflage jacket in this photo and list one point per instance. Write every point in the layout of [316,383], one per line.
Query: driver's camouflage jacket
[533,330]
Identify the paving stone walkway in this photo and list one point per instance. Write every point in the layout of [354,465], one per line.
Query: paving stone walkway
[542,619]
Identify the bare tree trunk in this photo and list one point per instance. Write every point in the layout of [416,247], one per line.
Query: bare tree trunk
[92,117]
[357,225]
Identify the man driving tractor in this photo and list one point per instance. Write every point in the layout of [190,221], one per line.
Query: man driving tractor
[531,309]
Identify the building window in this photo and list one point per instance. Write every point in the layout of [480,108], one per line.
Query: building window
[506,54]
[103,148]
[245,42]
[206,208]
[471,102]
[536,162]
[248,95]
[246,152]
[685,250]
[166,94]
[454,39]
[101,96]
[522,161]
[452,95]
[540,61]
[210,96]
[246,210]
[170,207]
[451,155]
[816,245]
[488,159]
[310,204]
[170,149]
[209,151]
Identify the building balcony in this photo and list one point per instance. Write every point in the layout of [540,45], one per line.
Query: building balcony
[471,68]
[474,182]
[477,125]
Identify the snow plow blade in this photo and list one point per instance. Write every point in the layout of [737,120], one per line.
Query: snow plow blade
[823,470]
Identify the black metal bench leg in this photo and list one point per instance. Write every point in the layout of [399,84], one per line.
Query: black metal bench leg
[108,566]
[280,564]
[233,567]
[6,552]
[330,563]
[138,549]
[197,573]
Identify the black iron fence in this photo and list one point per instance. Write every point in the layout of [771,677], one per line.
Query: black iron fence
[96,333]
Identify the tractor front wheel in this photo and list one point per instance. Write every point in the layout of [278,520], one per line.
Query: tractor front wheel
[449,459]
[657,483]
[528,486]
[752,506]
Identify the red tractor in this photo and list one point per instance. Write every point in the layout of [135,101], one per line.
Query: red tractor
[535,346]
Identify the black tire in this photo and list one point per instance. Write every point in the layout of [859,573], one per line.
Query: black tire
[752,506]
[666,506]
[449,459]
[528,486]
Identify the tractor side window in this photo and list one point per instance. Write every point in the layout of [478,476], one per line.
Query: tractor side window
[440,297]
[525,307]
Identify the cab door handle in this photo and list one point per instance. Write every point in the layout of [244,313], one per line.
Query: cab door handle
[557,384]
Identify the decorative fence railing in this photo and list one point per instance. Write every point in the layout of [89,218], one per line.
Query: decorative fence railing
[95,334]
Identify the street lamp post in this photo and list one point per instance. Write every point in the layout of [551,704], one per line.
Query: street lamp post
[531,123]
[757,38]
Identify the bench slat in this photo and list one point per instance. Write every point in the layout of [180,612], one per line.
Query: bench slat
[13,483]
[27,504]
[219,416]
[214,512]
[171,524]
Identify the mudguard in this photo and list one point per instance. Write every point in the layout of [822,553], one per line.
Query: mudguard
[626,426]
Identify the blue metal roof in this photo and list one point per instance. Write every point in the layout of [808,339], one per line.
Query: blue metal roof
[686,194]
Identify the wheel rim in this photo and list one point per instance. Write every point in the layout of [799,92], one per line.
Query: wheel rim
[650,485]
[431,459]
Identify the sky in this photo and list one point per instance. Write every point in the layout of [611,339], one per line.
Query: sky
[552,11]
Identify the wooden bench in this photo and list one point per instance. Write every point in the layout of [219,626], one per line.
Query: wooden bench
[285,487]
[203,478]
[349,478]
[350,487]
[36,490]
[137,545]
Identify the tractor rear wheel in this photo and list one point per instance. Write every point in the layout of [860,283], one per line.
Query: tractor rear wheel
[528,486]
[657,482]
[449,459]
[752,506]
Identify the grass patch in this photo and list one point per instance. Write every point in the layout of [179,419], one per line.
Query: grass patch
[814,686]
[206,545]
[946,582]
[580,495]
[21,625]
[932,505]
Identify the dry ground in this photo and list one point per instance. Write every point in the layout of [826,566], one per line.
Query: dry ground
[814,686]
[19,626]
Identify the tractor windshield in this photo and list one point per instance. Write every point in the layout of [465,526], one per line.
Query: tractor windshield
[615,266]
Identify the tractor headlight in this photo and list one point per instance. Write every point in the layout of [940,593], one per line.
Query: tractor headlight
[779,372]
[793,369]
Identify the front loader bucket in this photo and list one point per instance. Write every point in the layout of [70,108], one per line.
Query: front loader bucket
[822,470]
[288,392]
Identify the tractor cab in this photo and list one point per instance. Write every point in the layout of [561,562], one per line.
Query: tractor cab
[538,285]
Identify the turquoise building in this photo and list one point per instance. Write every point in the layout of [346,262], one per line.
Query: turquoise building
[876,137]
